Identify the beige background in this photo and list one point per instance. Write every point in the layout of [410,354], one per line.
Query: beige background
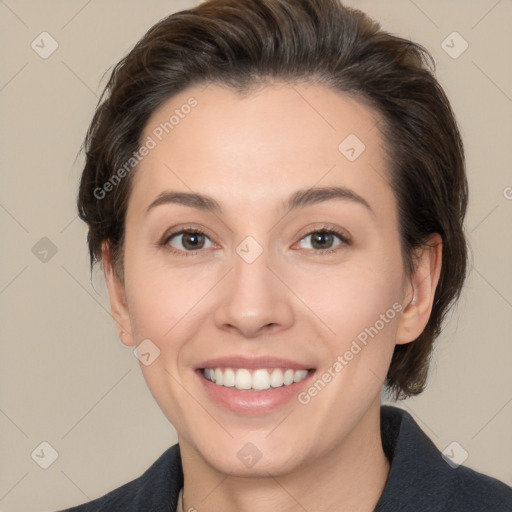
[64,376]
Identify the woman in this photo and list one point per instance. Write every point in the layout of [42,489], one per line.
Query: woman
[276,191]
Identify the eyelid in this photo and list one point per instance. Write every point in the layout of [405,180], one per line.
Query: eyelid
[343,234]
[179,230]
[344,242]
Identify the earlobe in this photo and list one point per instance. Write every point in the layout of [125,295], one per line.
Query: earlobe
[421,291]
[116,293]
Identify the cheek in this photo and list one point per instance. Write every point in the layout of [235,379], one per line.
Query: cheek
[163,307]
[353,297]
[160,297]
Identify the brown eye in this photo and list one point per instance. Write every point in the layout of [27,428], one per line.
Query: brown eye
[187,240]
[324,240]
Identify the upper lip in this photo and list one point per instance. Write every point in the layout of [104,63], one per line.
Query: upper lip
[253,363]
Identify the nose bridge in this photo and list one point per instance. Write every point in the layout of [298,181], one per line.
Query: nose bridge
[251,271]
[254,297]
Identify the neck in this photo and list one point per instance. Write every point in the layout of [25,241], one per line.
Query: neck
[351,477]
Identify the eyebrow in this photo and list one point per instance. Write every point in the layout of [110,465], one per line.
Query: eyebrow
[299,199]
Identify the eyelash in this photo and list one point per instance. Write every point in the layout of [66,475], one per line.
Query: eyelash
[195,231]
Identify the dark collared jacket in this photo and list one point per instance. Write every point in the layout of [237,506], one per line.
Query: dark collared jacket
[420,479]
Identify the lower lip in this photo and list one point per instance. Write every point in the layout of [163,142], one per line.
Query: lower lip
[252,402]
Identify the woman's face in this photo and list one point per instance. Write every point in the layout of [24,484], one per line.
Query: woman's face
[291,270]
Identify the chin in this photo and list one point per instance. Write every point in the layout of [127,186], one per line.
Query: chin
[251,461]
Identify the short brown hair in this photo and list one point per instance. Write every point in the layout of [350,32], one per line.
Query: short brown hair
[242,43]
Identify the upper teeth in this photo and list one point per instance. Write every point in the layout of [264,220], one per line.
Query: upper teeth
[259,379]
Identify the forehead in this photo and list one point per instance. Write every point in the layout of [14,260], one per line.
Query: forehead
[254,149]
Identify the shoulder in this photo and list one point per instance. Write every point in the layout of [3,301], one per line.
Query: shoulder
[420,477]
[475,491]
[157,489]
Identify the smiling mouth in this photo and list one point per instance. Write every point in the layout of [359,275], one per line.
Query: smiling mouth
[263,379]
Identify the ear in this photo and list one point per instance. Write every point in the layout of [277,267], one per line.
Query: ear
[420,291]
[116,293]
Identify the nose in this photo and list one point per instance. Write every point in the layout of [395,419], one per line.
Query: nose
[254,299]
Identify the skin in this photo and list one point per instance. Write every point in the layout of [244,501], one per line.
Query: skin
[251,153]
